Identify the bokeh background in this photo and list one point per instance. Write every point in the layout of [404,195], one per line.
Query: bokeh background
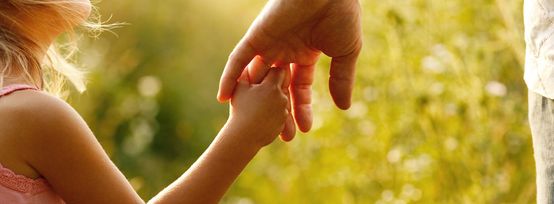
[438,115]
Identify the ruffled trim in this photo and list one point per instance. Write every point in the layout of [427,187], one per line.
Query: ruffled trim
[21,183]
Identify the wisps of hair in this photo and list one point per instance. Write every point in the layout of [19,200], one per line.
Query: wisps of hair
[17,51]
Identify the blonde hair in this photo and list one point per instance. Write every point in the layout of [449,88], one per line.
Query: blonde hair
[18,51]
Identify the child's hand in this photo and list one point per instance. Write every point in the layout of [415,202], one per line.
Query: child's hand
[259,111]
[255,74]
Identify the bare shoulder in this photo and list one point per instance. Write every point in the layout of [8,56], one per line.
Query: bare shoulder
[34,118]
[35,109]
[29,122]
[57,145]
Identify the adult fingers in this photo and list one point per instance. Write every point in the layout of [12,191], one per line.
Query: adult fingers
[301,94]
[257,70]
[238,60]
[341,79]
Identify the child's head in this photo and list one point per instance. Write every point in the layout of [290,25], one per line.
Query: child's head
[28,29]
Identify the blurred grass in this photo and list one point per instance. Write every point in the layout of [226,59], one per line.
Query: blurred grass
[438,115]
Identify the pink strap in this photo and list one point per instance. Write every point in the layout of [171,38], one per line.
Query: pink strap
[7,177]
[15,87]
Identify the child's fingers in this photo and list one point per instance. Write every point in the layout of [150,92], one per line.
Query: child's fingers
[275,76]
[244,76]
[242,85]
[290,127]
[238,60]
[289,131]
[257,70]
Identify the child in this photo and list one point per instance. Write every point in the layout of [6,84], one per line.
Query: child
[49,155]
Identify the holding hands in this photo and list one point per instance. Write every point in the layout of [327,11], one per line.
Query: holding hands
[292,34]
[260,110]
[268,80]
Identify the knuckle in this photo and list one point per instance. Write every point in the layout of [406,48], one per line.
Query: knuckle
[274,87]
[285,115]
[267,86]
[273,90]
[283,100]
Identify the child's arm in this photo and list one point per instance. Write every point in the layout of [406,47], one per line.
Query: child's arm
[60,146]
[258,113]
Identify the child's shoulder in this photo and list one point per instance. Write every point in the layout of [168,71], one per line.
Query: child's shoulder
[33,111]
[32,104]
[29,122]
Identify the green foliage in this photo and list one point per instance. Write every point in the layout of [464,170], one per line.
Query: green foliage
[438,115]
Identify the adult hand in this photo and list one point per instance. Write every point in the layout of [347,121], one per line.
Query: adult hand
[295,33]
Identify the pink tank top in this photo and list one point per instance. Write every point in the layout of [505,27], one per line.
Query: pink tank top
[18,189]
